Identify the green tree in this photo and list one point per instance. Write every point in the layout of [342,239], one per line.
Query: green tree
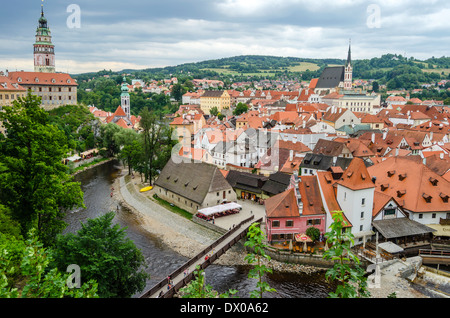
[131,148]
[214,111]
[108,139]
[255,238]
[35,185]
[157,144]
[313,233]
[350,279]
[26,272]
[241,108]
[178,91]
[105,255]
[198,288]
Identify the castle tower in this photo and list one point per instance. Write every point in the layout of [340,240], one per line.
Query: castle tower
[44,50]
[125,98]
[348,76]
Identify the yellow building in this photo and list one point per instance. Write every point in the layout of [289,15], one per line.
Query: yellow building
[211,99]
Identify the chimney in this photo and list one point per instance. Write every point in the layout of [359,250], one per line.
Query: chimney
[384,135]
[441,156]
[291,155]
[373,138]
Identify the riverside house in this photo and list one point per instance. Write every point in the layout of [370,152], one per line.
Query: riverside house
[193,186]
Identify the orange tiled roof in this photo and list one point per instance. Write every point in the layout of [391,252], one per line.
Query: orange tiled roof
[327,183]
[8,85]
[415,187]
[54,79]
[282,205]
[356,176]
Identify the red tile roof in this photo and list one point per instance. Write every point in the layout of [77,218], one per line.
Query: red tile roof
[54,79]
[415,187]
[356,176]
[283,205]
[8,85]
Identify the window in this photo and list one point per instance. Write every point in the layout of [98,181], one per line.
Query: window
[313,222]
[433,216]
[389,212]
[420,216]
[362,215]
[275,223]
[361,228]
[363,201]
[289,223]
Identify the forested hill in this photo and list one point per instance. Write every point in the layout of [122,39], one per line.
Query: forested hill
[394,71]
[383,69]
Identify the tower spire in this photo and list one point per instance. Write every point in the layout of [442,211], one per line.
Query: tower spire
[44,50]
[349,57]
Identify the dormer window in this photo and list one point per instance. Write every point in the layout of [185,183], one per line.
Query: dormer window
[434,181]
[427,197]
[36,80]
[384,187]
[402,177]
[391,173]
[444,197]
[401,193]
[19,79]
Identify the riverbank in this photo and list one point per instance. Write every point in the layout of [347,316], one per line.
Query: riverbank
[179,234]
[188,238]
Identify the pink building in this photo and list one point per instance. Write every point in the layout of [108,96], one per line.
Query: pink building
[295,210]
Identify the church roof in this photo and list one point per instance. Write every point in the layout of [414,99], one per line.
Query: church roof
[331,77]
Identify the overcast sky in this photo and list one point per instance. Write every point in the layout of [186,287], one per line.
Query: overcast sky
[141,34]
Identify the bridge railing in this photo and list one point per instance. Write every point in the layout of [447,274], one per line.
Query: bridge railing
[193,260]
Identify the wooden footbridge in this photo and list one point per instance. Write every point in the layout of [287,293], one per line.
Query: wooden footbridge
[441,257]
[184,274]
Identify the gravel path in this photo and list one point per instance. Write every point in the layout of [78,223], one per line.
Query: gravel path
[182,236]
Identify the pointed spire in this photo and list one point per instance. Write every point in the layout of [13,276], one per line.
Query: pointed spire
[349,58]
[42,8]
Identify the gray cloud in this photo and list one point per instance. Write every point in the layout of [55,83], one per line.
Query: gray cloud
[141,34]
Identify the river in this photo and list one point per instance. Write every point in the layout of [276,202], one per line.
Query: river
[96,184]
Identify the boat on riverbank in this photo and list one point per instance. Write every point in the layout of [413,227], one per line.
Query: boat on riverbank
[146,189]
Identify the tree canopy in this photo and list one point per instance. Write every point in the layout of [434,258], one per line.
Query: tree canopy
[35,185]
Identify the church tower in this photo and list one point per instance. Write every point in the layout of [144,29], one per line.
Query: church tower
[125,98]
[348,76]
[44,50]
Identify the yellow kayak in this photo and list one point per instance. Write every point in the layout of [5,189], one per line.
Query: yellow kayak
[146,189]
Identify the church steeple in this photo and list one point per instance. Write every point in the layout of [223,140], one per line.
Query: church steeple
[348,76]
[44,50]
[125,98]
[349,57]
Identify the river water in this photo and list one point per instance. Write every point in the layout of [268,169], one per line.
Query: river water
[96,184]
